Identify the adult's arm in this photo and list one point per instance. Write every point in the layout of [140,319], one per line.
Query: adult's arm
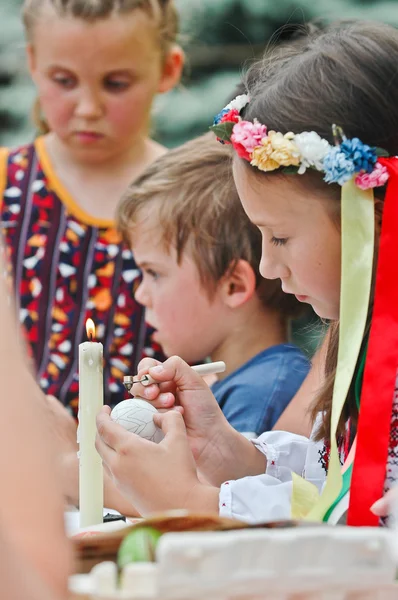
[31,507]
[19,580]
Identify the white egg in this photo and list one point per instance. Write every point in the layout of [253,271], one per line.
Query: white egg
[136,416]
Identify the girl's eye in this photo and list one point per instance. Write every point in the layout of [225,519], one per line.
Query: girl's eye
[116,85]
[64,81]
[278,241]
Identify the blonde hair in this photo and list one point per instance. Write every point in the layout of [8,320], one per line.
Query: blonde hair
[191,192]
[163,12]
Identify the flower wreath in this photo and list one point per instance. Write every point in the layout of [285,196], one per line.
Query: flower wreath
[295,153]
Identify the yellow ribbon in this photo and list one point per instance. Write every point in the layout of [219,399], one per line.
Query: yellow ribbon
[304,496]
[357,244]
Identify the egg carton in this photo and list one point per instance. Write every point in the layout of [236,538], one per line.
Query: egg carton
[333,563]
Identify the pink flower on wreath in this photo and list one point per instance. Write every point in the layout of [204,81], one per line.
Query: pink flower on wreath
[246,136]
[377,178]
[231,117]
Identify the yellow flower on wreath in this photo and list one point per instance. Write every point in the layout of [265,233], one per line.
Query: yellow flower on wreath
[276,150]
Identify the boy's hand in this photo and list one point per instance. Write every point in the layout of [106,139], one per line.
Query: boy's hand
[208,431]
[220,452]
[154,477]
[70,485]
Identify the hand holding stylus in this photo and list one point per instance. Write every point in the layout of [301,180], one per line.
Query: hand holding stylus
[204,369]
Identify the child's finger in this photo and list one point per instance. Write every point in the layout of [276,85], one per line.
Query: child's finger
[106,452]
[110,433]
[385,506]
[161,411]
[151,392]
[178,371]
[145,364]
[380,508]
[170,422]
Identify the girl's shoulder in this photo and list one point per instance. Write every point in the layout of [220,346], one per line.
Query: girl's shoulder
[16,153]
[16,165]
[14,162]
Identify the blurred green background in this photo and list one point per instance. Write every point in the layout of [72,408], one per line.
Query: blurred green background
[220,37]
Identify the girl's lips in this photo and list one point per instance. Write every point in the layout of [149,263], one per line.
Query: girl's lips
[88,136]
[301,298]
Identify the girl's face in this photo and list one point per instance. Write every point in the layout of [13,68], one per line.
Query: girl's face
[97,81]
[301,243]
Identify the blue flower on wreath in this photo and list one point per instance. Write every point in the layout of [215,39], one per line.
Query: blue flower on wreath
[217,118]
[338,168]
[363,156]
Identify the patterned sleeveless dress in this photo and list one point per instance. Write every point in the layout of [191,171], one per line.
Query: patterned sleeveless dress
[67,266]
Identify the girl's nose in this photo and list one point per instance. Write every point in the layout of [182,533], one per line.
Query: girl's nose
[89,105]
[271,268]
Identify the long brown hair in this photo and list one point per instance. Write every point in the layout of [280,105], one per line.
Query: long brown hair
[348,75]
[162,11]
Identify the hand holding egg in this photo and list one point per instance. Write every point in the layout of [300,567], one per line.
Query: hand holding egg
[136,416]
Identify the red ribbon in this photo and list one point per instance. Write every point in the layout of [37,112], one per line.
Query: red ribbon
[373,436]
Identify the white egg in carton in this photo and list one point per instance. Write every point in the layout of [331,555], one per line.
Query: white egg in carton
[333,563]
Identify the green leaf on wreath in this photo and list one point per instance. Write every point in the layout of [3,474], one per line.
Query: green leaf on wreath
[292,170]
[381,153]
[223,130]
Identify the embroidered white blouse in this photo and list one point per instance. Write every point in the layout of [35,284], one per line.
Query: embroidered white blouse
[268,497]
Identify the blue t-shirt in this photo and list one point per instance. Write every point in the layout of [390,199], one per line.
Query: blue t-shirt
[254,396]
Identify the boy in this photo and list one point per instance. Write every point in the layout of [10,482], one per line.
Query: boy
[201,287]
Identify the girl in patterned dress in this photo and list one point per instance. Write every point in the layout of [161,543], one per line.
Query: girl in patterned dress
[319,194]
[97,66]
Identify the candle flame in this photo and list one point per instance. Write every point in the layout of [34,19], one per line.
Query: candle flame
[90,328]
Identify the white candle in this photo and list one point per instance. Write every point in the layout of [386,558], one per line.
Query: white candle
[91,399]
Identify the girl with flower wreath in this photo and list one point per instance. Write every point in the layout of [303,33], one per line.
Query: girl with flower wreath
[314,144]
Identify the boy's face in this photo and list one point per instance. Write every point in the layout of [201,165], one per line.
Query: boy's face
[187,322]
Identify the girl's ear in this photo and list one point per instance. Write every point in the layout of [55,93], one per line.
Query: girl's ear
[239,285]
[172,69]
[31,60]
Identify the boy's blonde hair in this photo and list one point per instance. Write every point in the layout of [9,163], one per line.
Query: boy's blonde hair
[163,12]
[191,193]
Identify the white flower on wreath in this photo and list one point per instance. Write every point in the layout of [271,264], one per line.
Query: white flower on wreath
[239,103]
[313,150]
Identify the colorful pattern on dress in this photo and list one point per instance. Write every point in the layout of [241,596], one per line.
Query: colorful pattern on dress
[64,272]
[344,444]
[392,463]
[324,457]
